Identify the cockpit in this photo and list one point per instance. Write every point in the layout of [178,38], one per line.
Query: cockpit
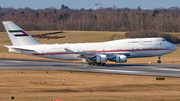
[163,40]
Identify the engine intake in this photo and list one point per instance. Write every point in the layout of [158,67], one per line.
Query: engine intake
[101,58]
[121,58]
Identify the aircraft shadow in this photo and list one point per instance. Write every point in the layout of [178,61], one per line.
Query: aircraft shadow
[125,65]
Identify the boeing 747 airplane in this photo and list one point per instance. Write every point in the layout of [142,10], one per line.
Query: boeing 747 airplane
[94,53]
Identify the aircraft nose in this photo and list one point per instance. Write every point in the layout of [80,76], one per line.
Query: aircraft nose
[175,47]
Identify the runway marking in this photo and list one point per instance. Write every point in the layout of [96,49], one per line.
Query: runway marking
[116,70]
[2,64]
[14,61]
[167,69]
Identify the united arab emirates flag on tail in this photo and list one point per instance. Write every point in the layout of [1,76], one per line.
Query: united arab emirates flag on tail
[18,33]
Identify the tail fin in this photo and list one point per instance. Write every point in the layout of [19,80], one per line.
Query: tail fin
[18,36]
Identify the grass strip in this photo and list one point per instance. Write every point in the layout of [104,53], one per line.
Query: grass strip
[112,37]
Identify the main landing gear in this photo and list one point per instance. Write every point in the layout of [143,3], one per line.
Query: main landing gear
[159,61]
[97,64]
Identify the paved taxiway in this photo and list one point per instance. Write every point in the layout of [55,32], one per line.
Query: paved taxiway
[165,70]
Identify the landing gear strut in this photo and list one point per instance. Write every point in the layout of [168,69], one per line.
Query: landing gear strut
[159,61]
[98,64]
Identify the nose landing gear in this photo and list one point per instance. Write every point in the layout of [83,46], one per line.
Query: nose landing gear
[159,61]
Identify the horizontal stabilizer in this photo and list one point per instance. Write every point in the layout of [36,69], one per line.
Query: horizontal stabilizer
[18,49]
[22,49]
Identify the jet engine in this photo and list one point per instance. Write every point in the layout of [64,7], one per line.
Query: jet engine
[101,58]
[121,58]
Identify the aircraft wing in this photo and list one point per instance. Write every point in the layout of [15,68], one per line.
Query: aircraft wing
[83,53]
[89,56]
[88,53]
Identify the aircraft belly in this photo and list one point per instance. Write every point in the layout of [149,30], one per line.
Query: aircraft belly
[150,53]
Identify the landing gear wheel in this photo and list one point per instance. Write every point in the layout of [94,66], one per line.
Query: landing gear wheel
[159,61]
[104,64]
[92,63]
[98,64]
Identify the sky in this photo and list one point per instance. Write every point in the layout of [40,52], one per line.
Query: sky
[78,4]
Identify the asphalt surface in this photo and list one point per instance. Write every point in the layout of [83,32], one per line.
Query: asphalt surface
[163,70]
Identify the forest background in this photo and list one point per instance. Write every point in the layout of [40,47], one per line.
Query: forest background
[103,19]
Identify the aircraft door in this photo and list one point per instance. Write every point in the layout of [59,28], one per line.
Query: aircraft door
[79,50]
[140,42]
[104,49]
[133,48]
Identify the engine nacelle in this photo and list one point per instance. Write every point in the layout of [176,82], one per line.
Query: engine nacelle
[101,58]
[121,58]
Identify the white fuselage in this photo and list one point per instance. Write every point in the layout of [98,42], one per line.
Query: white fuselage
[137,47]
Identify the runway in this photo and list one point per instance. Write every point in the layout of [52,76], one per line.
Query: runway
[164,70]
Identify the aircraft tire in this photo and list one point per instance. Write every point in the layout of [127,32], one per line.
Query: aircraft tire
[159,61]
[90,63]
[100,64]
[104,64]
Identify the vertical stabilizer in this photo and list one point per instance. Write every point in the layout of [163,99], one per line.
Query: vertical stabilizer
[18,36]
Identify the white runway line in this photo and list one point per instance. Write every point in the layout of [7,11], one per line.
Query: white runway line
[165,69]
[125,71]
[14,61]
